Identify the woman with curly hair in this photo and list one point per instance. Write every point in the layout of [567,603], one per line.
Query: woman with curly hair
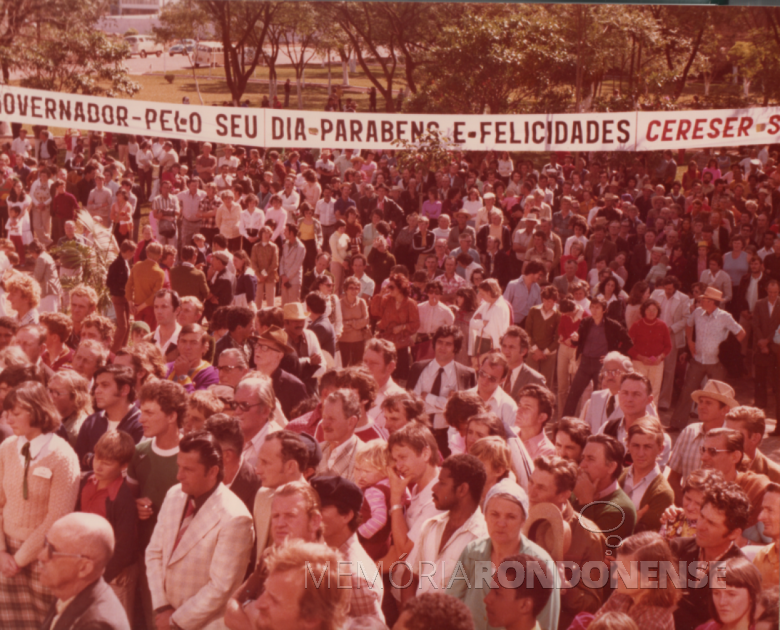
[24,296]
[398,319]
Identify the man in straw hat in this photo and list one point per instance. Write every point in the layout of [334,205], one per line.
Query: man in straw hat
[302,340]
[460,228]
[714,402]
[565,534]
[712,326]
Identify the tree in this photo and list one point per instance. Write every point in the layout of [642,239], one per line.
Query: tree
[299,34]
[77,61]
[23,21]
[521,59]
[184,20]
[242,28]
[384,35]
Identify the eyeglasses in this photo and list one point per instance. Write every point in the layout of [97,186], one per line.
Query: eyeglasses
[483,374]
[223,368]
[263,348]
[713,451]
[244,406]
[51,551]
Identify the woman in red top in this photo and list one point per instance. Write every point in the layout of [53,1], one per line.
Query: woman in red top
[652,344]
[576,254]
[399,319]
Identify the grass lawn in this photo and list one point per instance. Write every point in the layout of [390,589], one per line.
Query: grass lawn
[215,92]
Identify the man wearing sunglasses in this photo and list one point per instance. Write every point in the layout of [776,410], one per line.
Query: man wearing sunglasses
[75,553]
[723,450]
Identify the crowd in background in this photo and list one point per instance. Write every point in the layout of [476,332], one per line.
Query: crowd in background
[294,358]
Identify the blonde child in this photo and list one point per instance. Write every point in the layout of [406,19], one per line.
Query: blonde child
[371,476]
[138,332]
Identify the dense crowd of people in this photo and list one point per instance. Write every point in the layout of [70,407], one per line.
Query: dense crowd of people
[332,391]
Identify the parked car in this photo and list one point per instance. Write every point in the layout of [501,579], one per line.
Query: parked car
[181,49]
[143,45]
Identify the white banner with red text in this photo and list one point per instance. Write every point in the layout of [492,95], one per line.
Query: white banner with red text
[621,131]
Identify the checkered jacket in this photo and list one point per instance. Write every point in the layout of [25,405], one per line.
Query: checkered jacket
[209,563]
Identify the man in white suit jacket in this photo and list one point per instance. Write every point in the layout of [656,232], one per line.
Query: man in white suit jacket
[675,308]
[200,547]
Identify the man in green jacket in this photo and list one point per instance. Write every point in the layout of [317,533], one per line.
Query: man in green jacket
[597,494]
[643,481]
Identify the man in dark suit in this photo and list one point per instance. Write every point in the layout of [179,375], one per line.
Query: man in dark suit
[435,379]
[74,557]
[240,325]
[639,264]
[766,320]
[240,477]
[725,510]
[186,279]
[319,324]
[321,266]
[598,245]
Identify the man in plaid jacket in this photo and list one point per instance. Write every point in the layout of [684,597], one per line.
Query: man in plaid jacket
[201,545]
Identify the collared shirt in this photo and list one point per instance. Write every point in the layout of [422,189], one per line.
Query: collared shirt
[752,291]
[190,204]
[251,221]
[449,383]
[290,203]
[366,596]
[636,489]
[166,205]
[367,286]
[503,405]
[421,508]
[431,317]
[607,491]
[336,453]
[173,340]
[39,446]
[711,331]
[324,211]
[451,285]
[767,561]
[521,298]
[252,447]
[93,499]
[539,445]
[686,456]
[435,564]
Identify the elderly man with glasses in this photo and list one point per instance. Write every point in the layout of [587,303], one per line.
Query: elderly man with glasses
[75,553]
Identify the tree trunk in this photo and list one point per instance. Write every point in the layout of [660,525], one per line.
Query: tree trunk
[691,57]
[299,81]
[746,86]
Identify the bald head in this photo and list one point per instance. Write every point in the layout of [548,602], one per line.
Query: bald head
[87,534]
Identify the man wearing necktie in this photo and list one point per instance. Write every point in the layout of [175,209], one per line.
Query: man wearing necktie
[437,378]
[192,561]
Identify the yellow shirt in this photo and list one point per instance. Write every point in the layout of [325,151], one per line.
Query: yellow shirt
[306,231]
[146,279]
[767,561]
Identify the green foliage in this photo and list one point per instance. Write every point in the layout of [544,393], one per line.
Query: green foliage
[94,270]
[432,151]
[77,61]
[170,78]
[131,31]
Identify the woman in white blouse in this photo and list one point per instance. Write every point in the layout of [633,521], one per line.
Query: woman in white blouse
[489,322]
[473,203]
[505,167]
[276,213]
[251,222]
[227,220]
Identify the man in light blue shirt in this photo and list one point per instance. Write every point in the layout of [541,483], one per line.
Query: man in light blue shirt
[524,292]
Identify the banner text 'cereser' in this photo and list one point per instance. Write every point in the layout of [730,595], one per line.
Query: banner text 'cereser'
[596,574]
